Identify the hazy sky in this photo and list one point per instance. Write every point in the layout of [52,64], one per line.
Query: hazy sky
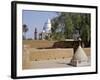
[35,19]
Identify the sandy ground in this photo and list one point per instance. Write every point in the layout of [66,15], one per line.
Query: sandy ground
[53,63]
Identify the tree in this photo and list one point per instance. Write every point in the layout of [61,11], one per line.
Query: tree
[64,25]
[68,30]
[25,29]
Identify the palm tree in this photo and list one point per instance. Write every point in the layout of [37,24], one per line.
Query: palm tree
[25,29]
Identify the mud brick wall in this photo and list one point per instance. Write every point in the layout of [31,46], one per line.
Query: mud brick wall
[47,54]
[50,54]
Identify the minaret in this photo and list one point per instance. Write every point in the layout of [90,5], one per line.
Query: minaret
[35,34]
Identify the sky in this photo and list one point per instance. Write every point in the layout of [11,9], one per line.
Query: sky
[35,19]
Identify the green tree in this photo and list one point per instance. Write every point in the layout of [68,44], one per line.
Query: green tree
[64,25]
[68,29]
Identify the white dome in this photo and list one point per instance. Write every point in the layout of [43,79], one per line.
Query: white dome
[48,26]
[48,21]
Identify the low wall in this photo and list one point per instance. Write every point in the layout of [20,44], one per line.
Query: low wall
[47,54]
[87,51]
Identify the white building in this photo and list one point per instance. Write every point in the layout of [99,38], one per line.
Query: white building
[47,26]
[46,30]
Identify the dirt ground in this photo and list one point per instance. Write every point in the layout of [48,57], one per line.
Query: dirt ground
[60,63]
[48,58]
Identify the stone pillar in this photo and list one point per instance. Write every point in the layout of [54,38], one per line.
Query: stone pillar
[79,57]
